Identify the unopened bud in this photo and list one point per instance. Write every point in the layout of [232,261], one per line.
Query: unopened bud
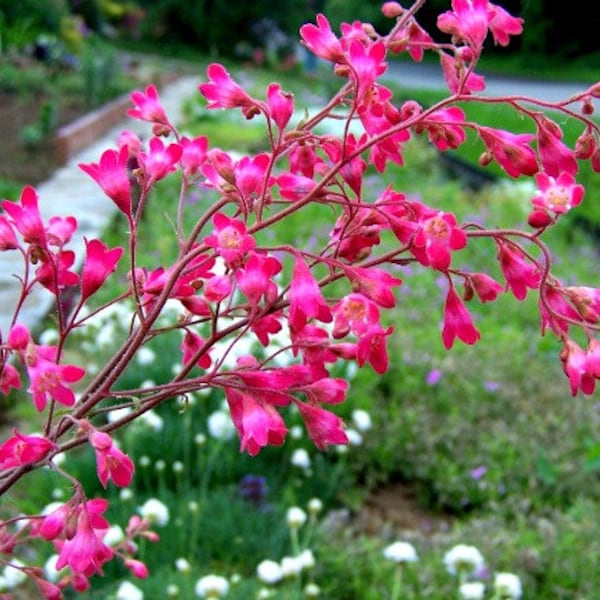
[585,146]
[587,107]
[391,10]
[485,159]
[596,161]
[539,218]
[469,292]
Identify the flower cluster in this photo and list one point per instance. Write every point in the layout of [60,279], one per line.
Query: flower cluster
[228,284]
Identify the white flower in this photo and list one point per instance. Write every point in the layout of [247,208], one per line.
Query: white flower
[199,439]
[400,552]
[269,572]
[172,591]
[312,590]
[50,572]
[155,511]
[296,432]
[12,575]
[118,413]
[295,517]
[152,420]
[182,565]
[114,535]
[354,438]
[472,590]
[315,506]
[177,467]
[128,591]
[362,420]
[464,559]
[126,494]
[220,426]
[291,566]
[307,559]
[145,356]
[508,586]
[300,458]
[160,465]
[264,593]
[212,586]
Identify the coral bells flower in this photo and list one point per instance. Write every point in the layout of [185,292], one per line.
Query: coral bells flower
[486,287]
[306,299]
[374,283]
[436,238]
[159,160]
[111,463]
[577,368]
[321,40]
[444,127]
[281,105]
[457,321]
[555,156]
[255,278]
[372,348]
[468,21]
[557,195]
[148,107]
[324,428]
[99,263]
[24,449]
[230,239]
[223,92]
[519,272]
[510,150]
[9,378]
[112,175]
[85,552]
[26,217]
[458,79]
[502,24]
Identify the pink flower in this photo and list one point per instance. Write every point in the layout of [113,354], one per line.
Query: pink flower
[502,24]
[586,300]
[306,299]
[99,263]
[520,274]
[374,283]
[559,307]
[437,237]
[60,230]
[8,239]
[323,427]
[250,177]
[26,217]
[485,286]
[54,273]
[458,78]
[148,107]
[111,463]
[85,552]
[230,239]
[467,21]
[356,313]
[9,378]
[217,288]
[193,154]
[255,278]
[223,92]
[366,64]
[257,422]
[321,40]
[577,369]
[557,195]
[555,156]
[265,326]
[372,348]
[511,151]
[295,187]
[457,321]
[191,344]
[22,449]
[159,161]
[48,379]
[444,127]
[281,105]
[112,176]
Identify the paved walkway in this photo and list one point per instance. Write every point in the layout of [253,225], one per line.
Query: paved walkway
[72,192]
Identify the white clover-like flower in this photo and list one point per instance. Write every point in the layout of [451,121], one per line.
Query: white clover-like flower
[508,586]
[220,426]
[269,572]
[126,494]
[182,565]
[160,465]
[301,459]
[362,420]
[315,506]
[50,571]
[295,517]
[472,590]
[118,413]
[114,535]
[463,559]
[212,586]
[400,552]
[354,438]
[151,419]
[199,439]
[13,576]
[291,566]
[128,591]
[264,594]
[145,356]
[177,467]
[307,559]
[155,511]
[312,590]
[296,432]
[172,591]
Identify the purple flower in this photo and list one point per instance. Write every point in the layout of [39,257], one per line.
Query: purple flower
[492,386]
[478,472]
[434,376]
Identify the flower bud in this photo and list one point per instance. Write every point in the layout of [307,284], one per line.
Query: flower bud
[391,10]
